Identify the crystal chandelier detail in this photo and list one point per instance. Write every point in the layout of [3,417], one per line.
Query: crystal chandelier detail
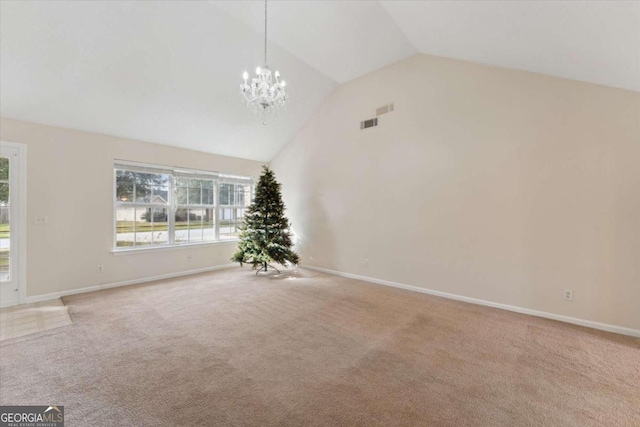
[265,93]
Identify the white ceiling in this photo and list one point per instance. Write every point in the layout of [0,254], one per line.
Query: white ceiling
[165,72]
[168,71]
[342,39]
[591,41]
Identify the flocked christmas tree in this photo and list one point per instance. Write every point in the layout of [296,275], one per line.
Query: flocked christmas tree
[265,237]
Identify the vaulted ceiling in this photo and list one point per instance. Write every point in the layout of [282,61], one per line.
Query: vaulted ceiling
[168,71]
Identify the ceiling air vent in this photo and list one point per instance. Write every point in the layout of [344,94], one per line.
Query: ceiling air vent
[369,123]
[384,109]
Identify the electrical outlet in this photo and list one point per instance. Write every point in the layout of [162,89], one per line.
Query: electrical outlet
[567,294]
[41,219]
[366,262]
[189,258]
[100,269]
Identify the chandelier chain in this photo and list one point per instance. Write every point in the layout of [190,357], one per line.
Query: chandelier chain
[265,33]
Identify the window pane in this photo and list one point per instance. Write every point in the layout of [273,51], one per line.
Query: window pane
[4,168]
[195,224]
[237,194]
[5,234]
[230,222]
[4,194]
[182,226]
[246,195]
[125,219]
[5,267]
[226,194]
[207,196]
[182,182]
[146,183]
[124,186]
[143,193]
[238,223]
[242,194]
[144,227]
[160,195]
[160,233]
[181,195]
[195,183]
[208,225]
[4,226]
[195,197]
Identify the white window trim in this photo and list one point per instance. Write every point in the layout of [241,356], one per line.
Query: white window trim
[164,248]
[172,206]
[20,230]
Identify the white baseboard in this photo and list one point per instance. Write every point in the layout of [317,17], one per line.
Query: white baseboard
[55,295]
[582,322]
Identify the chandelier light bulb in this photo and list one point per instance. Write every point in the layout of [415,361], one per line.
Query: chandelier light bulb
[262,94]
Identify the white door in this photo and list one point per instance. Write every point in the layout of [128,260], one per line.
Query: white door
[12,189]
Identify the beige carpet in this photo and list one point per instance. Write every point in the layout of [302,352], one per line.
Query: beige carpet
[309,349]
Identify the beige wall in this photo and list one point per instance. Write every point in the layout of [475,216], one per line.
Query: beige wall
[485,182]
[70,180]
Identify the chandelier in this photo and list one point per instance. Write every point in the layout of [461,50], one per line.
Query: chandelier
[265,93]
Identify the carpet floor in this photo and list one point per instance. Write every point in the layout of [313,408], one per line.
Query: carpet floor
[303,348]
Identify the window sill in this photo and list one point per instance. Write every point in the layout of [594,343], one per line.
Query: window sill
[118,252]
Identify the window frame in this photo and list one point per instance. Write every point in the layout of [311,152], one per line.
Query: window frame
[10,276]
[172,205]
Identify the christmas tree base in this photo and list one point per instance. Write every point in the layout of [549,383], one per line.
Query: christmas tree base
[264,268]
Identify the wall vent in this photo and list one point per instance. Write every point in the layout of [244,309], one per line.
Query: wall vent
[369,123]
[384,109]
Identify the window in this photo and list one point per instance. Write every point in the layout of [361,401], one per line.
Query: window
[235,197]
[159,206]
[195,210]
[142,208]
[5,228]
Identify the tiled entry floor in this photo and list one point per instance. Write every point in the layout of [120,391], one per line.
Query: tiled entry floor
[28,319]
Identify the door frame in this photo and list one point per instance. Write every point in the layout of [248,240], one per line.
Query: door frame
[21,232]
